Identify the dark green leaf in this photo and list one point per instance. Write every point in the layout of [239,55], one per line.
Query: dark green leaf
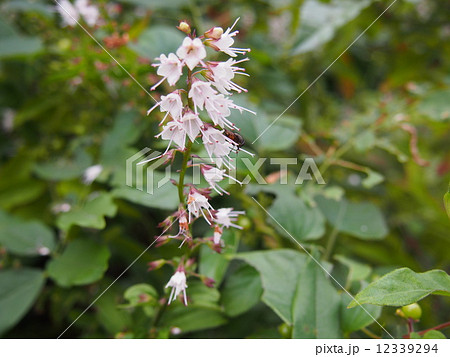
[362,220]
[357,318]
[403,287]
[82,262]
[18,290]
[242,291]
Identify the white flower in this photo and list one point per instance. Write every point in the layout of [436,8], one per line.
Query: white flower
[191,124]
[223,72]
[200,93]
[196,202]
[218,146]
[214,175]
[178,284]
[91,173]
[174,132]
[226,217]
[90,13]
[68,12]
[225,42]
[191,52]
[172,104]
[170,68]
[217,235]
[71,14]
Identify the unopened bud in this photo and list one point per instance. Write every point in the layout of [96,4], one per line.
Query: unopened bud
[184,27]
[156,264]
[214,33]
[207,281]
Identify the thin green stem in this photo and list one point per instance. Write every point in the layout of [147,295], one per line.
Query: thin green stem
[187,155]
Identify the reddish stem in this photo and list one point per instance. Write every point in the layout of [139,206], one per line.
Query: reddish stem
[438,327]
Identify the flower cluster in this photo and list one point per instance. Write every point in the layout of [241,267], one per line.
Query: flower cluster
[71,13]
[199,113]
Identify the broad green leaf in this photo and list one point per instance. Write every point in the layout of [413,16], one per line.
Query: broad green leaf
[279,271]
[433,334]
[19,45]
[82,262]
[357,318]
[316,305]
[403,287]
[362,220]
[91,215]
[64,168]
[18,291]
[29,238]
[156,40]
[301,221]
[356,271]
[17,193]
[319,21]
[242,291]
[213,264]
[112,319]
[435,105]
[252,128]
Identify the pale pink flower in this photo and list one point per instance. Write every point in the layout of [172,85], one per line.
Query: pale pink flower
[218,146]
[217,237]
[178,284]
[169,68]
[68,12]
[191,52]
[191,124]
[225,42]
[201,92]
[213,175]
[89,12]
[91,173]
[171,103]
[226,217]
[196,203]
[174,131]
[222,74]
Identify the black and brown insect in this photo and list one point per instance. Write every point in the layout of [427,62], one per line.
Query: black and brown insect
[236,138]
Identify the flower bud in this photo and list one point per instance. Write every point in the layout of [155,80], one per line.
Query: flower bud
[184,27]
[215,33]
[207,281]
[156,264]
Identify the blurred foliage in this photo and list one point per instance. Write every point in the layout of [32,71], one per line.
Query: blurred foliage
[376,122]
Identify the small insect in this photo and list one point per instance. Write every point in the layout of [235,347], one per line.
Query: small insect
[236,138]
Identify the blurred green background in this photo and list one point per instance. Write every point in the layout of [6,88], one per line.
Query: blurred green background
[376,123]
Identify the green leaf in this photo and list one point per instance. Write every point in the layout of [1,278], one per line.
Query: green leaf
[435,105]
[286,127]
[156,40]
[16,193]
[242,291]
[301,221]
[82,262]
[18,291]
[18,45]
[356,271]
[213,264]
[403,287]
[279,272]
[29,238]
[91,215]
[362,220]
[316,305]
[357,318]
[319,21]
[373,178]
[433,334]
